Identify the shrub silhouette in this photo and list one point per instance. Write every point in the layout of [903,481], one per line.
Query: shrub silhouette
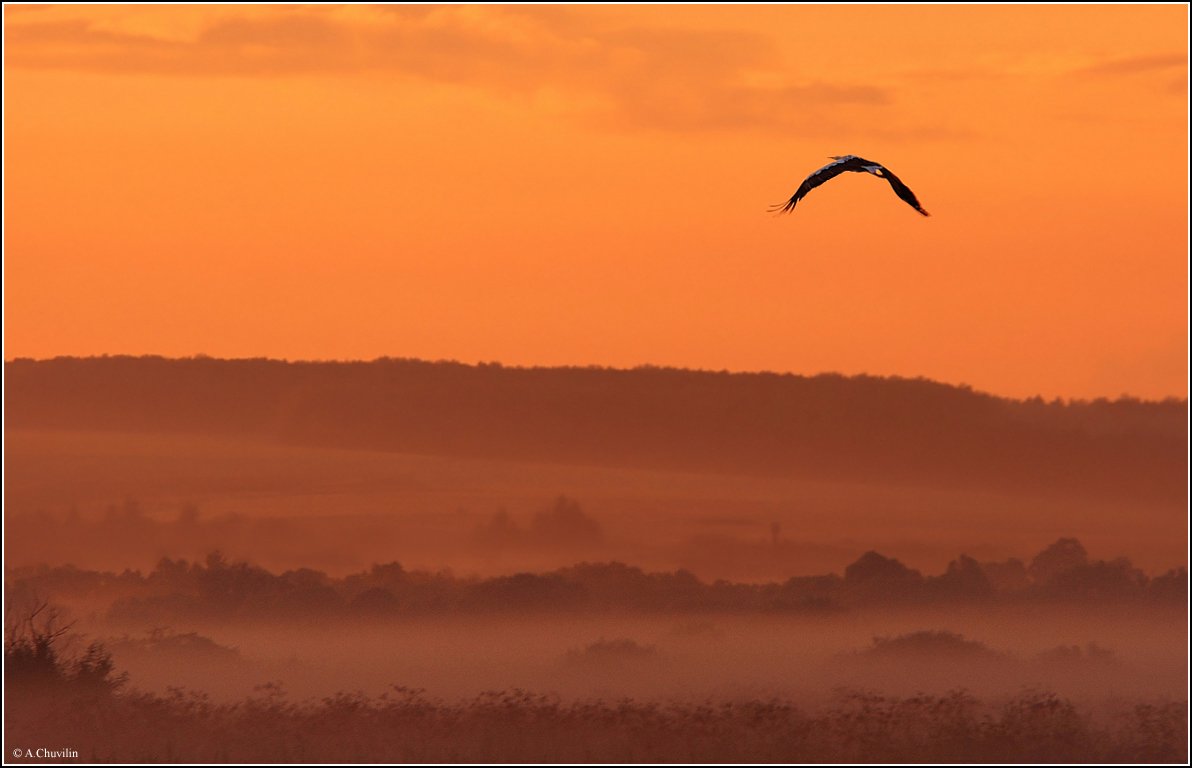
[561,525]
[565,523]
[930,645]
[38,659]
[183,646]
[1007,576]
[874,576]
[1062,556]
[965,578]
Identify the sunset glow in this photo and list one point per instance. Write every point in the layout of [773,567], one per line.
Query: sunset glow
[588,186]
[524,385]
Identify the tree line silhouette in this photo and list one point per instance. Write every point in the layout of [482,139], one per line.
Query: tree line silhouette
[221,589]
[827,426]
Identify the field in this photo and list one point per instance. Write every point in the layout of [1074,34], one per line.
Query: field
[212,597]
[116,500]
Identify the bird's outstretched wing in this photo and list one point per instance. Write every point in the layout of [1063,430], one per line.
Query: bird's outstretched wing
[903,191]
[828,172]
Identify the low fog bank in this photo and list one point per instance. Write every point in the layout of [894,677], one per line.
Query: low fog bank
[105,501]
[537,537]
[668,657]
[713,688]
[1060,621]
[1091,653]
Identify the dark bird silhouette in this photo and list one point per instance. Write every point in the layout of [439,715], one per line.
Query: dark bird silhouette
[840,164]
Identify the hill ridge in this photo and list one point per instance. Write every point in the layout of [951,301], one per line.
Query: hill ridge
[864,428]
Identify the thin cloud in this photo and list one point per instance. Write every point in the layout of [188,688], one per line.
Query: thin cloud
[285,45]
[1133,65]
[674,105]
[671,79]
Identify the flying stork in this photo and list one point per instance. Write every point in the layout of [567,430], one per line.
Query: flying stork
[840,164]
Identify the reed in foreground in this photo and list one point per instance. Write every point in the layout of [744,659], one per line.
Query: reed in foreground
[517,726]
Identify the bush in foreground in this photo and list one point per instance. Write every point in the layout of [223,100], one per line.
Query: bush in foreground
[517,726]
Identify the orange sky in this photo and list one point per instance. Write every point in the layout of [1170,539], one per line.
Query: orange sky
[588,185]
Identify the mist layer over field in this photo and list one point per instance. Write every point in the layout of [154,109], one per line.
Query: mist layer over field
[598,593]
[1025,678]
[997,654]
[116,500]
